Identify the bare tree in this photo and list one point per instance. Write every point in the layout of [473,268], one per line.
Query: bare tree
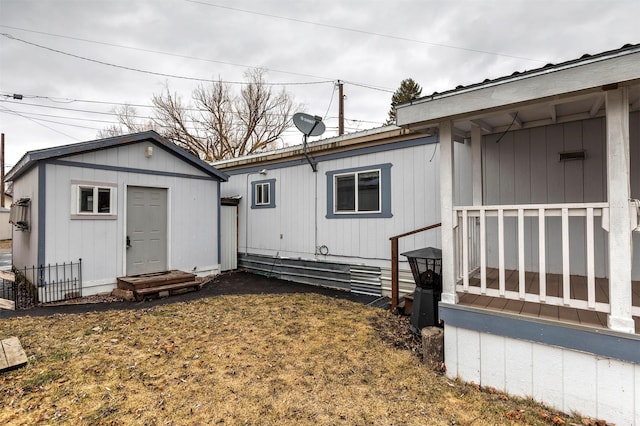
[128,122]
[218,125]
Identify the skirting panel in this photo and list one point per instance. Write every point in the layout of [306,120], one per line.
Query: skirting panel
[569,380]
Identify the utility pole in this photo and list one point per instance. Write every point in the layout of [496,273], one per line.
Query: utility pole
[340,109]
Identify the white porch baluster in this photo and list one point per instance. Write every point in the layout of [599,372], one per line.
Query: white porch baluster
[543,255]
[501,251]
[465,251]
[483,252]
[591,274]
[566,268]
[521,266]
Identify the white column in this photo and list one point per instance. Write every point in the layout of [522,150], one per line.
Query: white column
[618,190]
[446,213]
[476,157]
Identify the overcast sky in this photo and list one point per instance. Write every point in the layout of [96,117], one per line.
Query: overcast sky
[75,60]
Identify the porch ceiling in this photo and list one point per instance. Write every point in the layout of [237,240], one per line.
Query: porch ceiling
[561,110]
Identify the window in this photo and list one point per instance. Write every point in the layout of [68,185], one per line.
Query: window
[93,201]
[363,192]
[263,194]
[357,192]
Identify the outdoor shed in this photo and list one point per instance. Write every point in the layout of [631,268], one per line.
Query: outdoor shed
[126,205]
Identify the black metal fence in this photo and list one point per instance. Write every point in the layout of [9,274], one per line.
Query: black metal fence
[50,283]
[17,292]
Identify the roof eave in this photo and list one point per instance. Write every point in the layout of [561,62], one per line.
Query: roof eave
[591,73]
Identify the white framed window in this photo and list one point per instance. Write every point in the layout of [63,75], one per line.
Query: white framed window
[357,192]
[262,193]
[93,201]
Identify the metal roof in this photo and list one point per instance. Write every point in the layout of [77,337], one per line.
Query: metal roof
[31,158]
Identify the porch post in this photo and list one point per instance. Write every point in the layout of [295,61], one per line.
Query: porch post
[446,213]
[476,159]
[618,190]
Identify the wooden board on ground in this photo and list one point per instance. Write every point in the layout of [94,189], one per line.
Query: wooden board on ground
[12,355]
[7,304]
[7,276]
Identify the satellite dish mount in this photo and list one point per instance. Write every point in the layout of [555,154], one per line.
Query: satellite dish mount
[309,125]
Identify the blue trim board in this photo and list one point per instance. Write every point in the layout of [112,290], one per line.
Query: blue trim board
[601,342]
[129,170]
[272,194]
[337,155]
[42,211]
[219,198]
[385,193]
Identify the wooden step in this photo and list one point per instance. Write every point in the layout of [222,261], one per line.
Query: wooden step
[138,282]
[165,290]
[407,304]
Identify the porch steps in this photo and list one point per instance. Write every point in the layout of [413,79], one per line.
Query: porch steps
[159,284]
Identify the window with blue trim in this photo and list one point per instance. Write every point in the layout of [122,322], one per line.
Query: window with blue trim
[263,194]
[363,192]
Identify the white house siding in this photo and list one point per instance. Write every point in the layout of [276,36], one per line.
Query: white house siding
[288,230]
[569,380]
[192,219]
[25,243]
[524,168]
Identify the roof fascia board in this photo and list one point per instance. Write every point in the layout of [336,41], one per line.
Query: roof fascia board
[578,76]
[327,146]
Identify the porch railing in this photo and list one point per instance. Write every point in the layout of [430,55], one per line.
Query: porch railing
[395,272]
[471,250]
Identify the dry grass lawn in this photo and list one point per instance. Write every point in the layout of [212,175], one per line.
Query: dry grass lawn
[236,360]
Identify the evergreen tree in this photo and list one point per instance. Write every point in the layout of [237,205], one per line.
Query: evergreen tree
[407,91]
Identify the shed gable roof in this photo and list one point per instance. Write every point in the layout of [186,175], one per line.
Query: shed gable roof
[31,158]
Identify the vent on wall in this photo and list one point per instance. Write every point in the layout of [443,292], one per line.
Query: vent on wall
[19,215]
[573,155]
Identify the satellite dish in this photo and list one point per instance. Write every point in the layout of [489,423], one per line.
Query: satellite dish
[309,125]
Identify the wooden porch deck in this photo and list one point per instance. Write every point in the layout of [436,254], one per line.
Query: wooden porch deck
[553,288]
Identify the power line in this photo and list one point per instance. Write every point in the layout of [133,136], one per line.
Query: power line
[38,123]
[160,74]
[159,52]
[353,30]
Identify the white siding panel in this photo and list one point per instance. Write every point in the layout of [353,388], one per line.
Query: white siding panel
[547,367]
[469,357]
[25,243]
[492,361]
[132,156]
[518,367]
[451,354]
[615,388]
[579,384]
[567,380]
